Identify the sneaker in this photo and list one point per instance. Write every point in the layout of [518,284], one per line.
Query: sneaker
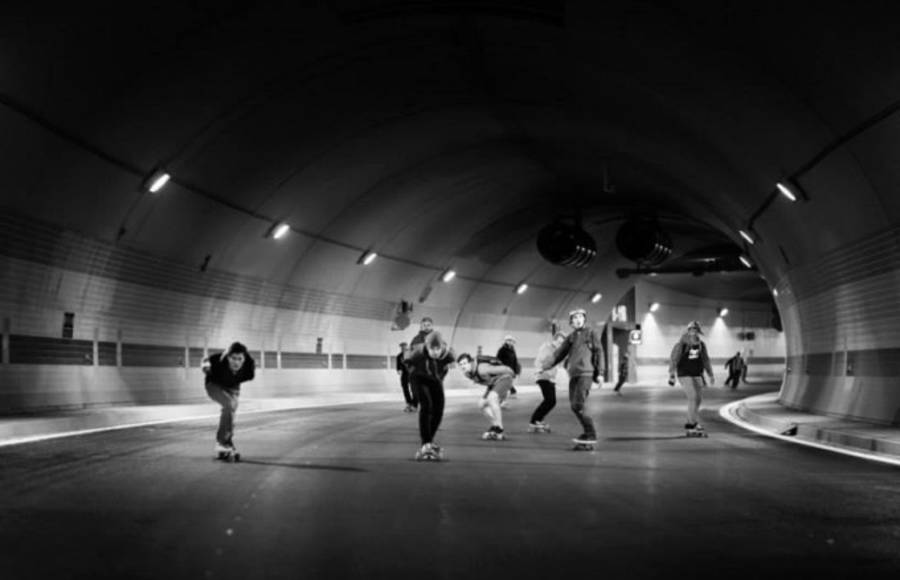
[220,448]
[585,438]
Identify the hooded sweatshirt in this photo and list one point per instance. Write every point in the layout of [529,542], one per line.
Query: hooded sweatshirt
[544,359]
[423,367]
[689,359]
[582,351]
[220,372]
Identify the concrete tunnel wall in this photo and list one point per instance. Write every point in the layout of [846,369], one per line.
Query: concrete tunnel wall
[364,132]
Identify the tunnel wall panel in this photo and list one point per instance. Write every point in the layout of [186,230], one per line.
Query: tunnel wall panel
[843,316]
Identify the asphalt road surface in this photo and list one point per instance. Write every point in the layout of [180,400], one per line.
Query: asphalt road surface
[335,493]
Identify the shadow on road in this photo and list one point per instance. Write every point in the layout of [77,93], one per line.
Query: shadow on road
[306,466]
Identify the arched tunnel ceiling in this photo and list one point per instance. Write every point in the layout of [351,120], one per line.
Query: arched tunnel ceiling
[436,133]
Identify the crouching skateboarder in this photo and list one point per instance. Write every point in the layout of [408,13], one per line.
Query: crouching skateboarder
[498,378]
[224,374]
[428,363]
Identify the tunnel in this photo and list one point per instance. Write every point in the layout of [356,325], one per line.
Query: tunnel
[314,179]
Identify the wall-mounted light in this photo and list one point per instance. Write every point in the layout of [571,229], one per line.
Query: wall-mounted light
[775,292]
[654,306]
[279,230]
[156,180]
[597,297]
[448,275]
[367,258]
[745,261]
[521,288]
[747,237]
[723,312]
[786,192]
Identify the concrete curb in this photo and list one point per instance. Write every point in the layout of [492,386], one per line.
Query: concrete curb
[762,414]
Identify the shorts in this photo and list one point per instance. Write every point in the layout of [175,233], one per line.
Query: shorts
[501,386]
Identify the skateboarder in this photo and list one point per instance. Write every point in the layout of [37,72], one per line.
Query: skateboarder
[735,367]
[426,326]
[498,378]
[583,354]
[408,395]
[224,374]
[623,371]
[688,361]
[428,365]
[507,355]
[546,380]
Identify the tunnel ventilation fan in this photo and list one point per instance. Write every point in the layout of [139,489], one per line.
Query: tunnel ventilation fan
[641,240]
[566,245]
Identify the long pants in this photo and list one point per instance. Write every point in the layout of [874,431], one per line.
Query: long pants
[409,394]
[228,400]
[693,388]
[579,389]
[733,377]
[548,391]
[622,378]
[431,407]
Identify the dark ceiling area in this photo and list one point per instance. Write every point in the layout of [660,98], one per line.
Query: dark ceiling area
[439,134]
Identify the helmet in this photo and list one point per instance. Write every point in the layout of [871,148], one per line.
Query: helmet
[580,311]
[694,325]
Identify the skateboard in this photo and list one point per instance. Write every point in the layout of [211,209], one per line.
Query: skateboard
[437,455]
[493,436]
[538,428]
[229,456]
[583,445]
[695,432]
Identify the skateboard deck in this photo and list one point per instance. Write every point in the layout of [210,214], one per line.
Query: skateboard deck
[581,445]
[229,456]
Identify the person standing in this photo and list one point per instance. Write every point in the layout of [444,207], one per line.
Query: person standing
[735,367]
[583,354]
[507,355]
[411,403]
[498,378]
[224,374]
[546,380]
[688,361]
[428,365]
[624,359]
[426,326]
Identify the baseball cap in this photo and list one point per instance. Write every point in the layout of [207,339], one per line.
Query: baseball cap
[694,325]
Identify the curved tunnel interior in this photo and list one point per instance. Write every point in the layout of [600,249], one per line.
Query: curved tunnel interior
[444,136]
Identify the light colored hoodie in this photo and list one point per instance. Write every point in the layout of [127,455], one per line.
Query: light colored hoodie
[545,358]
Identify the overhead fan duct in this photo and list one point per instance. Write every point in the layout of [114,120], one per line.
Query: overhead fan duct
[566,245]
[643,241]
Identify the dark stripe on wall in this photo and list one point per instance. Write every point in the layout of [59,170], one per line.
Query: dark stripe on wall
[301,360]
[761,360]
[151,355]
[365,361]
[41,350]
[106,352]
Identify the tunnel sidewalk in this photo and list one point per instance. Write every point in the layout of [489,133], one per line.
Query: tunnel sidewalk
[763,414]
